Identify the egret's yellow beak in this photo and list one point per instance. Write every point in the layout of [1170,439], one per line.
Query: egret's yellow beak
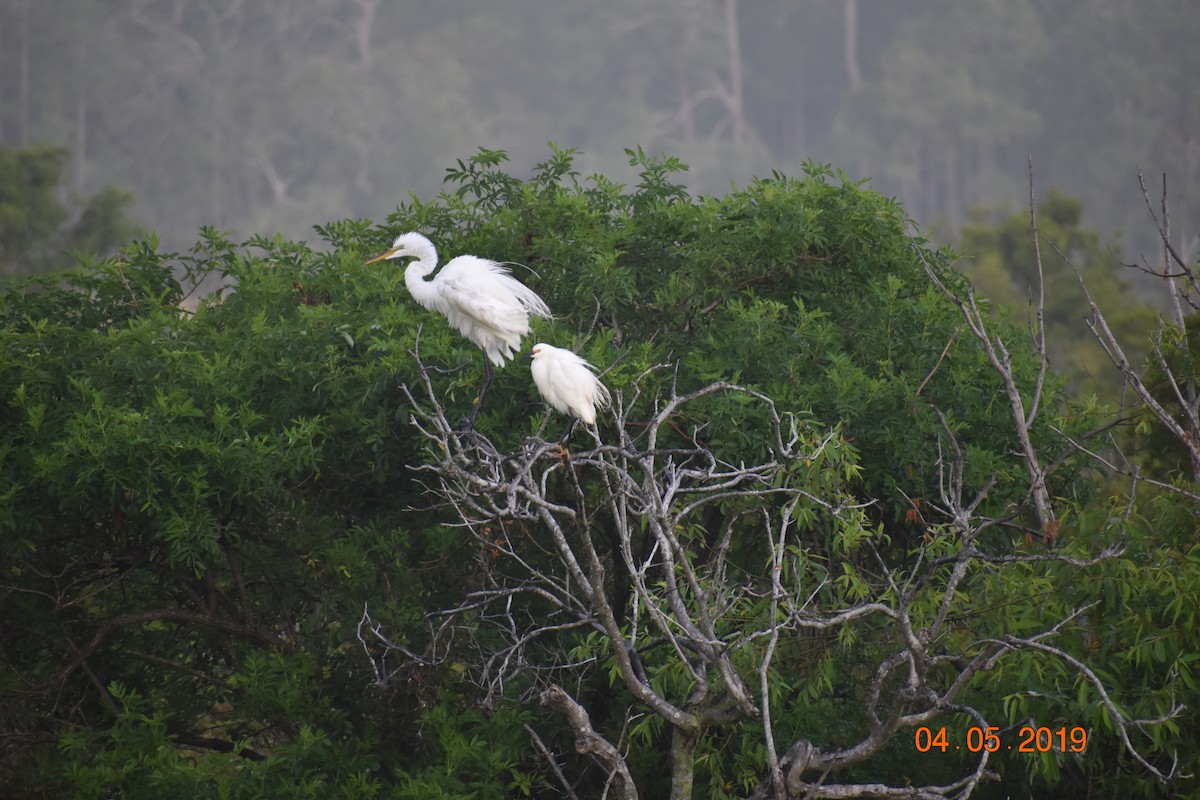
[387,254]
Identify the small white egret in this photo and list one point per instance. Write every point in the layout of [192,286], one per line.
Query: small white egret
[568,383]
[478,296]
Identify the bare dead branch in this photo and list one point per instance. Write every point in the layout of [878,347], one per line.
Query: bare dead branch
[1039,327]
[540,746]
[559,536]
[1170,254]
[1001,361]
[589,742]
[1188,438]
[1131,472]
[938,363]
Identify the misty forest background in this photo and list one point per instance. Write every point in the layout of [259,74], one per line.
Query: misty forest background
[235,566]
[276,116]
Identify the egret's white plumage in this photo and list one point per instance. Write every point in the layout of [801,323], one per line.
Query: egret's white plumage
[567,382]
[478,296]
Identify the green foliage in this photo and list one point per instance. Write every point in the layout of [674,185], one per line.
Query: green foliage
[144,756]
[197,507]
[29,209]
[186,494]
[1003,264]
[32,217]
[1170,372]
[806,288]
[1137,635]
[103,223]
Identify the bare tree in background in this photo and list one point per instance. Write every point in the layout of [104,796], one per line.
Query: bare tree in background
[850,44]
[362,28]
[1176,406]
[727,89]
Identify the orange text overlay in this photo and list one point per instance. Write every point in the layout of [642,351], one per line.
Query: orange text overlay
[1028,739]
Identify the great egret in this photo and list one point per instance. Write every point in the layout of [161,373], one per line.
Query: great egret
[478,296]
[568,383]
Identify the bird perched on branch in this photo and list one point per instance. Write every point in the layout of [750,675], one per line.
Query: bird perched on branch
[479,297]
[568,383]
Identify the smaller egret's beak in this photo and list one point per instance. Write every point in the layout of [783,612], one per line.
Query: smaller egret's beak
[388,254]
[531,354]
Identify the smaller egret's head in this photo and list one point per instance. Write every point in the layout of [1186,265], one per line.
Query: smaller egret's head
[407,245]
[538,349]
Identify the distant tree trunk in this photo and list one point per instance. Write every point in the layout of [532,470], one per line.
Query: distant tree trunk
[215,184]
[80,143]
[279,187]
[362,28]
[850,44]
[952,196]
[687,113]
[735,99]
[23,77]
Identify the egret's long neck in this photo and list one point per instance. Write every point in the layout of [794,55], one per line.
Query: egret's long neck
[415,274]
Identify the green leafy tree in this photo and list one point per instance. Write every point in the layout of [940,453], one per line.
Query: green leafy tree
[1163,441]
[1140,627]
[798,289]
[245,554]
[29,209]
[196,508]
[33,221]
[1002,261]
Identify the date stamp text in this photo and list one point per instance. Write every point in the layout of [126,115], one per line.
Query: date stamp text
[1028,739]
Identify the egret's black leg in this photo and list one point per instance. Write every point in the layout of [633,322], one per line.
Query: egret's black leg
[469,422]
[569,431]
